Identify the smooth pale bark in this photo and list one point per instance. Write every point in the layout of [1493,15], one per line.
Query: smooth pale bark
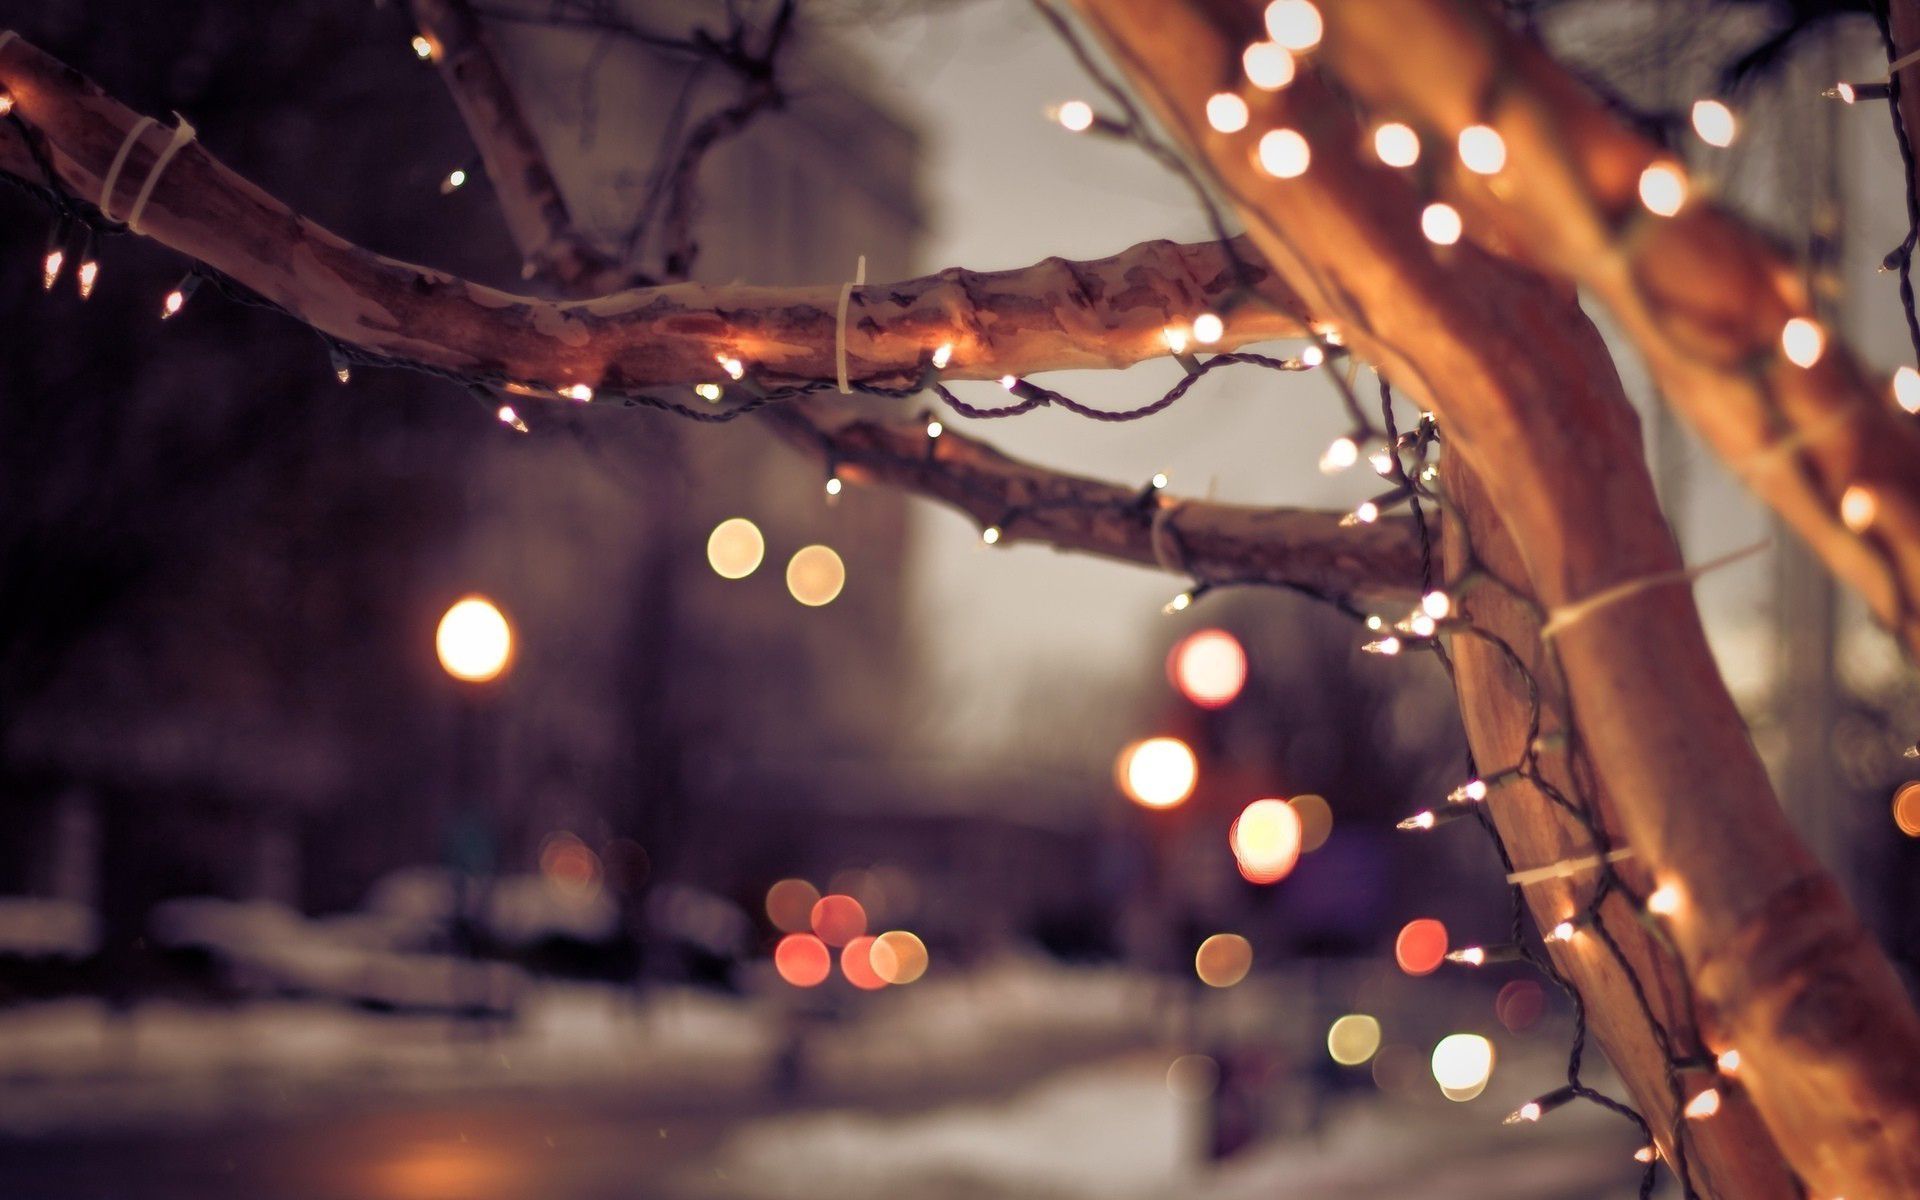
[1704,297]
[1781,968]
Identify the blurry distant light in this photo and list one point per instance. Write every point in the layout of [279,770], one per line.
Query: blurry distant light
[1704,1105]
[1316,821]
[424,47]
[1421,946]
[1265,839]
[1159,772]
[1075,116]
[1858,508]
[838,920]
[1520,1005]
[1269,66]
[802,960]
[1193,1077]
[1482,150]
[856,963]
[1665,900]
[1396,144]
[1227,112]
[1803,341]
[735,369]
[710,392]
[1462,1064]
[1284,154]
[1906,389]
[1715,123]
[735,548]
[1209,667]
[1353,1039]
[942,355]
[474,641]
[1906,809]
[1441,224]
[1728,1061]
[1223,960]
[898,957]
[815,575]
[1663,189]
[569,863]
[1294,24]
[790,905]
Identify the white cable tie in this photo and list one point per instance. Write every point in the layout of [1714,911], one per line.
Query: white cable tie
[840,324]
[1567,614]
[182,134]
[1568,867]
[119,161]
[1905,60]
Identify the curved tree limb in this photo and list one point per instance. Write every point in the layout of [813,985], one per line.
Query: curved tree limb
[1530,400]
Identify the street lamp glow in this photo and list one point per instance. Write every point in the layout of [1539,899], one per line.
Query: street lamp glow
[474,640]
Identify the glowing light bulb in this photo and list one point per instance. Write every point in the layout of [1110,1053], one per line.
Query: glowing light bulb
[1419,820]
[935,429]
[89,272]
[734,368]
[1441,224]
[1159,772]
[1436,605]
[473,640]
[1663,189]
[1422,625]
[1312,356]
[990,535]
[1858,507]
[1284,154]
[1646,1153]
[1075,116]
[1906,389]
[1530,1111]
[1472,956]
[833,485]
[511,418]
[1396,144]
[1179,603]
[1159,481]
[1340,454]
[1665,900]
[1208,329]
[1803,342]
[1715,123]
[1269,66]
[710,392]
[1703,1105]
[577,391]
[1009,382]
[6,103]
[1177,340]
[1227,112]
[1482,150]
[942,355]
[1728,1061]
[1366,514]
[1473,791]
[1294,24]
[1563,932]
[423,46]
[50,269]
[455,180]
[175,301]
[1387,646]
[1382,462]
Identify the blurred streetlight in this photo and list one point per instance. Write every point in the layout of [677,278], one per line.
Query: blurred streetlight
[1159,772]
[474,641]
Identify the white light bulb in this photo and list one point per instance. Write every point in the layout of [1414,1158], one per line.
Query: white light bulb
[89,272]
[1437,605]
[1715,123]
[1482,150]
[935,429]
[1176,339]
[1388,646]
[1340,454]
[1704,1105]
[1396,144]
[422,46]
[1563,932]
[942,356]
[1728,1061]
[1294,24]
[1382,462]
[175,301]
[1208,329]
[1008,382]
[509,417]
[1312,356]
[734,368]
[50,269]
[1441,223]
[1159,481]
[577,391]
[1422,625]
[990,534]
[1665,900]
[1284,154]
[1075,116]
[710,392]
[1663,189]
[1803,341]
[1227,112]
[1906,389]
[833,485]
[1179,603]
[1858,508]
[1269,66]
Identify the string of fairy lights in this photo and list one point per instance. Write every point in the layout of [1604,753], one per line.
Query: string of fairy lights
[1697,1078]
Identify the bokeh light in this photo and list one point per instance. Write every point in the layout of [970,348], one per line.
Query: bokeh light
[474,640]
[1906,808]
[1421,946]
[838,919]
[899,957]
[815,575]
[1462,1064]
[569,863]
[1400,1071]
[1193,1076]
[1223,960]
[790,905]
[856,963]
[735,548]
[1316,821]
[803,960]
[1159,772]
[1265,838]
[1353,1039]
[1520,1005]
[1209,667]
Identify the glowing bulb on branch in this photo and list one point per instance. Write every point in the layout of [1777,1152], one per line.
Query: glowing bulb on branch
[1665,900]
[735,369]
[1563,932]
[1436,605]
[935,428]
[578,391]
[1441,224]
[1075,116]
[1906,389]
[1227,112]
[455,180]
[1269,66]
[88,273]
[1340,454]
[423,46]
[1176,339]
[1663,189]
[1208,329]
[1284,154]
[942,355]
[710,392]
[1803,342]
[1365,514]
[1387,646]
[1703,1105]
[990,535]
[1482,150]
[834,485]
[1294,24]
[1858,508]
[1396,144]
[50,267]
[1715,123]
[511,418]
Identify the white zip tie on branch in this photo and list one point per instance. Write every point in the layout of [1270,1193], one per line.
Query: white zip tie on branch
[1560,618]
[1569,866]
[182,134]
[120,161]
[840,324]
[1893,68]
